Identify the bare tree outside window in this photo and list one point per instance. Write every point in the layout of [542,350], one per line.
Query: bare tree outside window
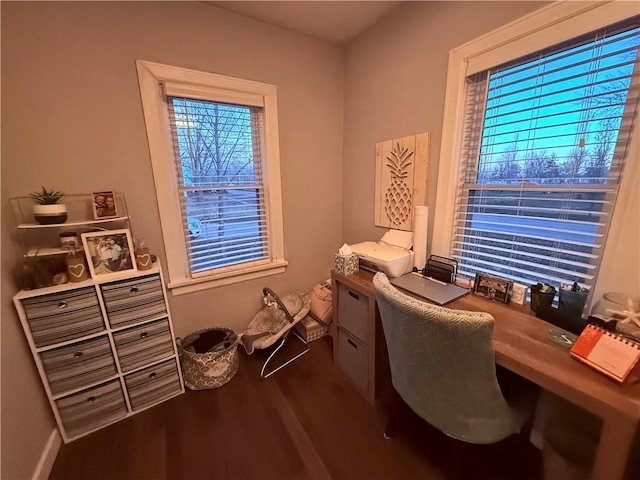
[222,184]
[537,209]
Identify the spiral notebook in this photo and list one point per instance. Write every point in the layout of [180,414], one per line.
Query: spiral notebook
[607,352]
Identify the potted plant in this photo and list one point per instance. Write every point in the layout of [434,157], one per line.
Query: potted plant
[47,210]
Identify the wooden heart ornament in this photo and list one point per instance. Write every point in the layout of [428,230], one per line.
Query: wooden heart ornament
[76,270]
[144,261]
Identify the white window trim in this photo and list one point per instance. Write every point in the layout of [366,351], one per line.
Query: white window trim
[548,26]
[151,76]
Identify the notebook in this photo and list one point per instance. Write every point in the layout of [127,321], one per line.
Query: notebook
[607,352]
[433,290]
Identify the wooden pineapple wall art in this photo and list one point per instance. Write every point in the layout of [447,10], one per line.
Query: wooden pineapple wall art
[401,180]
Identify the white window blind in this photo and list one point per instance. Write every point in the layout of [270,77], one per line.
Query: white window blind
[544,144]
[218,158]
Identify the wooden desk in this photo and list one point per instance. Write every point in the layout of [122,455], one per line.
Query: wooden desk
[522,345]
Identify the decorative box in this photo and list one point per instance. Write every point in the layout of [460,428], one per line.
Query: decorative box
[310,329]
[346,264]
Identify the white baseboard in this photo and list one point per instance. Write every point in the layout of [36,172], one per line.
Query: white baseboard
[43,469]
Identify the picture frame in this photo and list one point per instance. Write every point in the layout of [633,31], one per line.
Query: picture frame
[109,252]
[518,294]
[492,287]
[104,205]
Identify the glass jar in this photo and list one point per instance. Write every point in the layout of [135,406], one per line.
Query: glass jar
[617,306]
[623,311]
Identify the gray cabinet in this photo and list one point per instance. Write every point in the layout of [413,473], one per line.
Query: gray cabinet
[104,348]
[358,346]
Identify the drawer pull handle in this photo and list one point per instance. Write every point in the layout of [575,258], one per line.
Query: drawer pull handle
[354,295]
[134,290]
[62,304]
[144,335]
[78,354]
[352,343]
[91,399]
[152,375]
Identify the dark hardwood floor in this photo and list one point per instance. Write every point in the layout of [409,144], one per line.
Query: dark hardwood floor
[305,422]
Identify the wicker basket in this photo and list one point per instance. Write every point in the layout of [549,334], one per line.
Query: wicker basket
[216,366]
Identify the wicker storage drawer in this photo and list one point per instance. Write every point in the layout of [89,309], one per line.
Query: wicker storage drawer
[92,408]
[353,360]
[154,384]
[59,317]
[139,346]
[134,301]
[353,312]
[79,365]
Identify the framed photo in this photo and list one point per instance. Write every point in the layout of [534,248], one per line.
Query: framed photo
[109,252]
[494,288]
[104,205]
[518,293]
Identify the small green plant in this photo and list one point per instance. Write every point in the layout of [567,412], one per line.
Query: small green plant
[46,197]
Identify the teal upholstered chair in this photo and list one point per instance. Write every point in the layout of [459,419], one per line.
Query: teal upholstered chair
[443,366]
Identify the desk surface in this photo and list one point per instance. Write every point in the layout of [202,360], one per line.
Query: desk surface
[522,345]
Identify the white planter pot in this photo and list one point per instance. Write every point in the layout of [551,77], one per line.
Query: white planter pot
[50,214]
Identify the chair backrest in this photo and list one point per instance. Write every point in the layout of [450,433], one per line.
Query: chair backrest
[443,365]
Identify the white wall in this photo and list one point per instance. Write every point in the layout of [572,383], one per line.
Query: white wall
[395,77]
[72,119]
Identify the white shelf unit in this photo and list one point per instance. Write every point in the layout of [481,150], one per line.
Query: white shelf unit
[105,348]
[43,240]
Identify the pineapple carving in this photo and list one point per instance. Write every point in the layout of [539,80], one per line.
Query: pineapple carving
[397,199]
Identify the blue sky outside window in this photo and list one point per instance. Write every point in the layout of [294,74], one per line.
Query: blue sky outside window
[545,140]
[218,146]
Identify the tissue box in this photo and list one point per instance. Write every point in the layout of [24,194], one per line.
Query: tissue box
[346,264]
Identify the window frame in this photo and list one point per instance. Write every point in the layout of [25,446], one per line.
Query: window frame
[543,28]
[151,77]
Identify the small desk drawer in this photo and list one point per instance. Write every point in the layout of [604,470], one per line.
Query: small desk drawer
[92,408]
[154,384]
[353,360]
[139,346]
[78,365]
[353,312]
[63,316]
[133,301]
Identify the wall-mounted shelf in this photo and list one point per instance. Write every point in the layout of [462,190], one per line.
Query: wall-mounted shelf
[81,223]
[43,240]
[47,251]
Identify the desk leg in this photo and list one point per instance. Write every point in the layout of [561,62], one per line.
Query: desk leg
[614,447]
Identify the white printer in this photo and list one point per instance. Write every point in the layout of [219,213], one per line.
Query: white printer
[392,253]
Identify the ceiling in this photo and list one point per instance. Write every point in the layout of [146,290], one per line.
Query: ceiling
[334,21]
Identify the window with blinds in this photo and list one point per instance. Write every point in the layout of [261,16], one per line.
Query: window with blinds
[218,151]
[544,144]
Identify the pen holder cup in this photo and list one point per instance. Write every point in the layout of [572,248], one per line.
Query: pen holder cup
[346,264]
[572,303]
[539,298]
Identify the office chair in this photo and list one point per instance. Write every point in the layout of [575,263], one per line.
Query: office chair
[443,367]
